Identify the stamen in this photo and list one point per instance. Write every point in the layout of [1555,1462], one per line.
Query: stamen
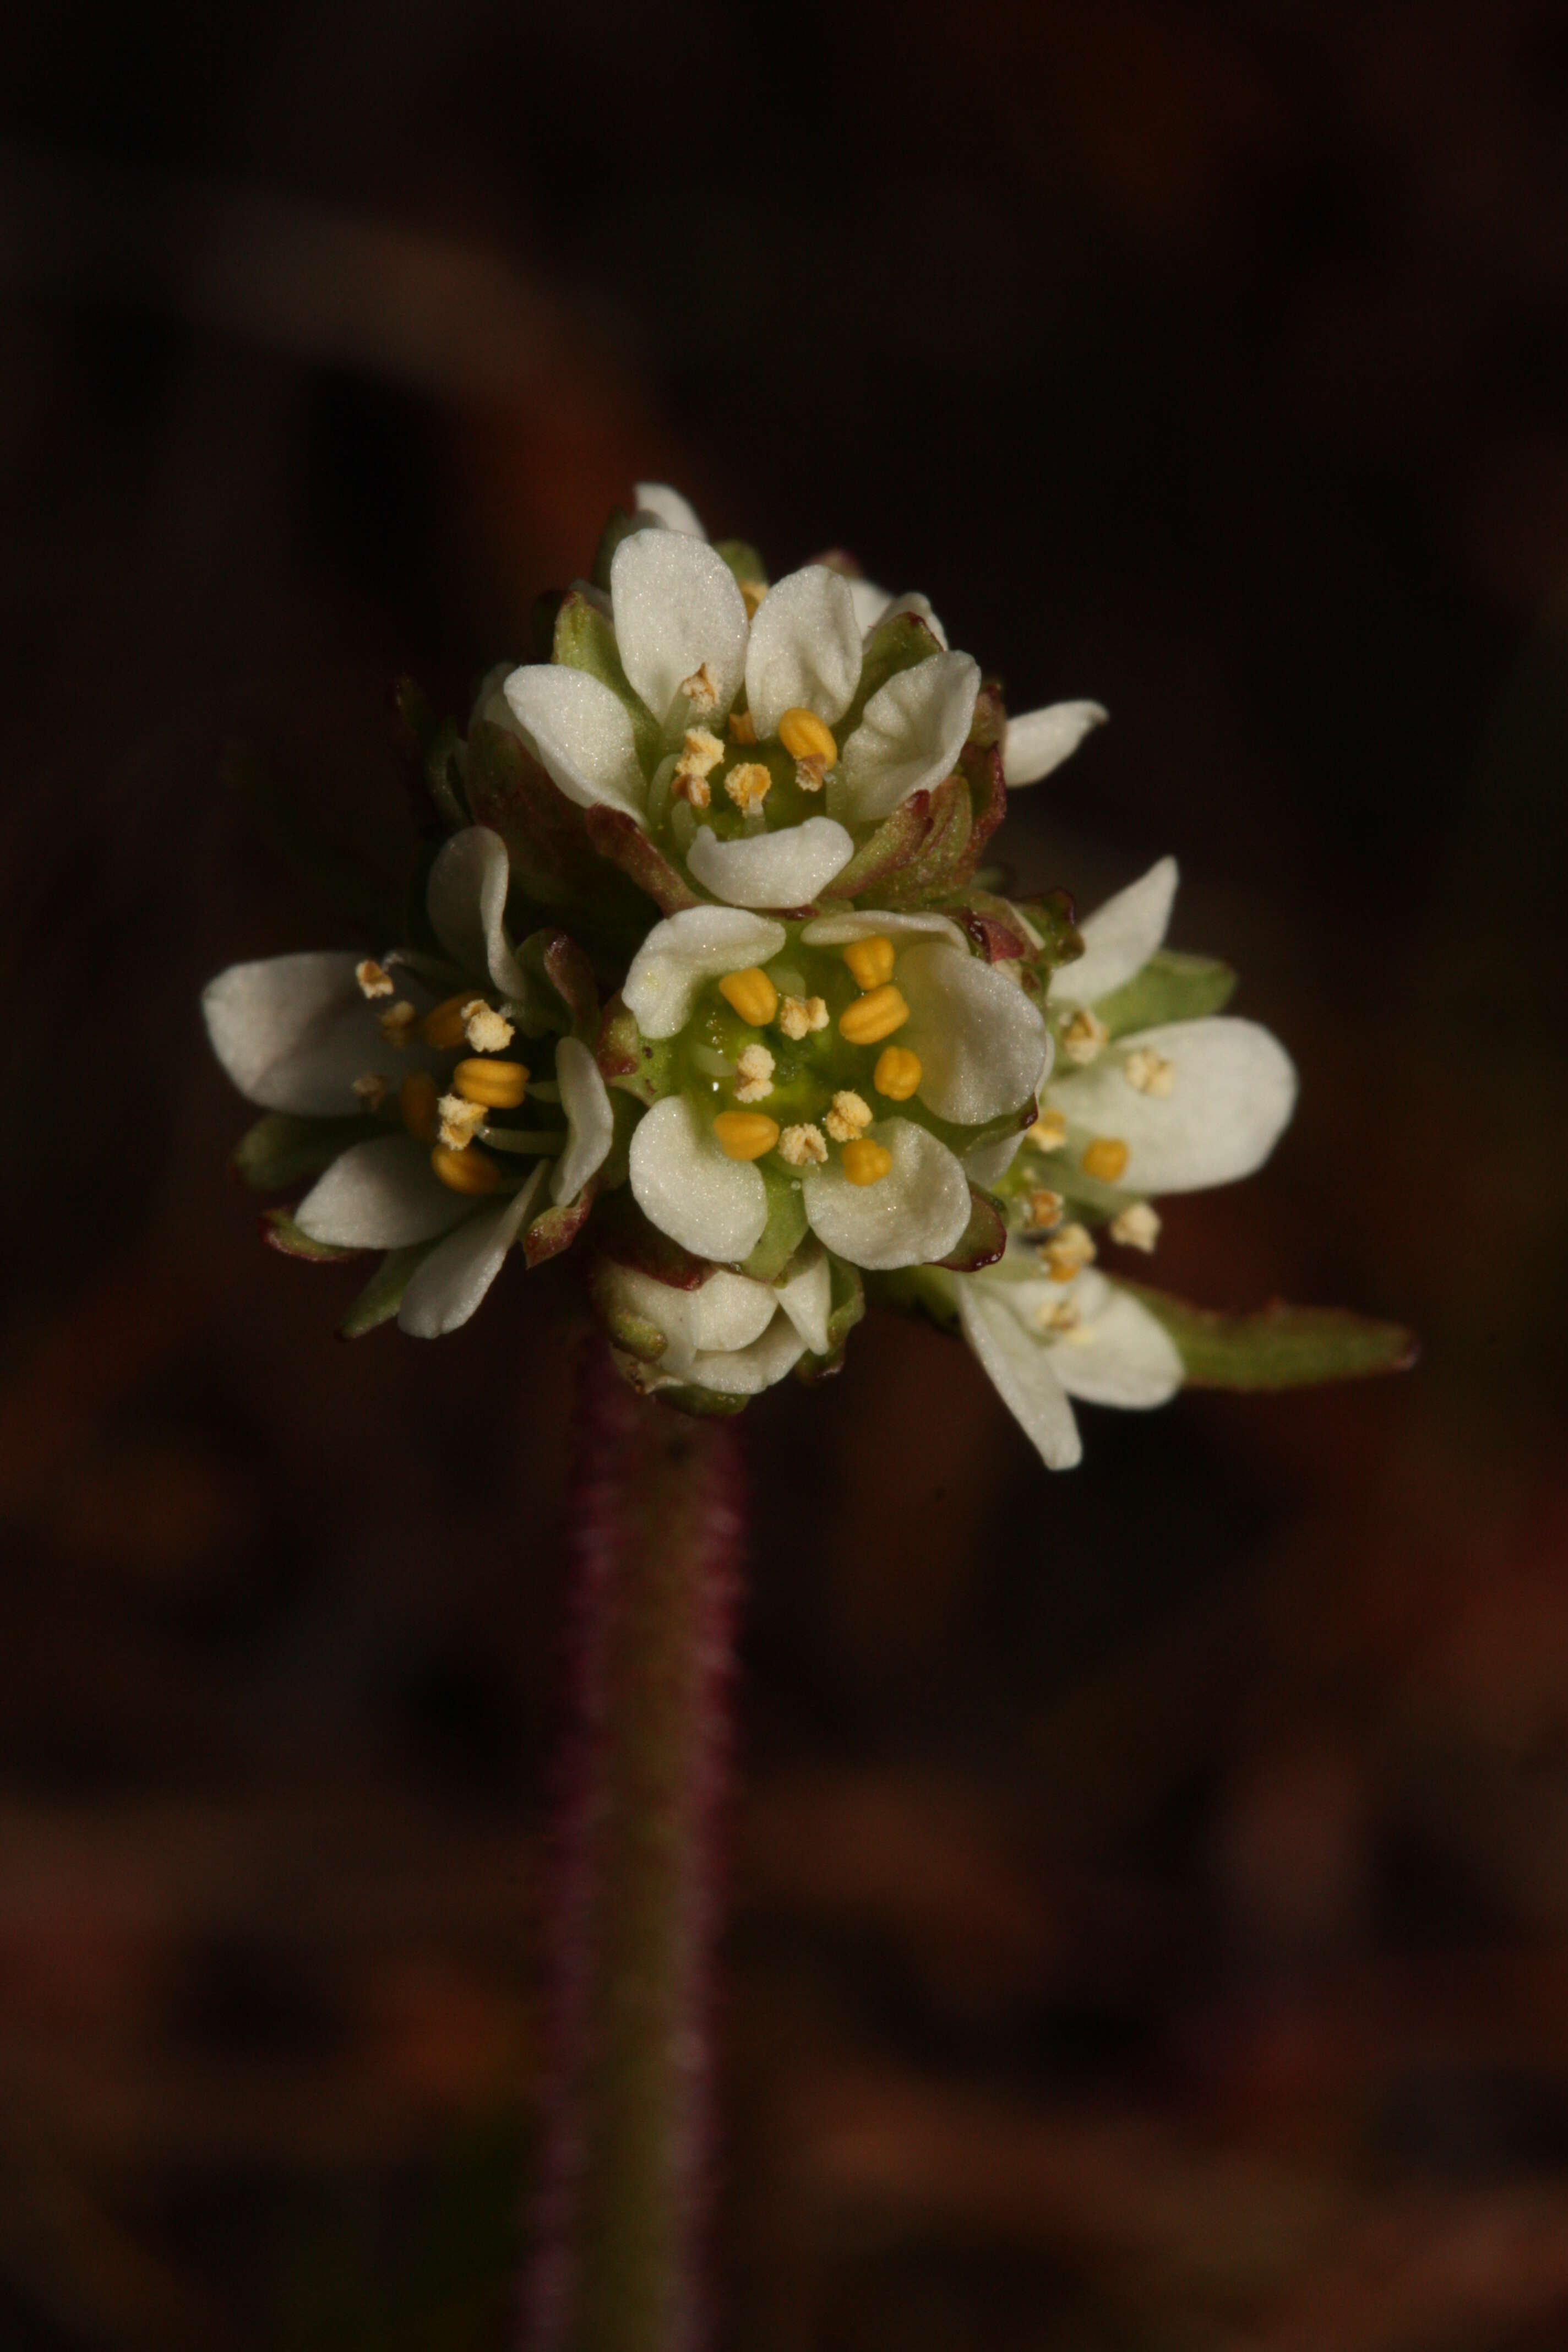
[849,1117]
[701,691]
[465,1171]
[865,1163]
[460,1121]
[700,754]
[396,1023]
[1137,1227]
[897,1073]
[803,1147]
[1045,1210]
[1056,1315]
[498,1085]
[873,1017]
[742,727]
[1105,1159]
[444,1026]
[417,1101]
[488,1031]
[1049,1132]
[751,993]
[870,960]
[809,775]
[1067,1252]
[805,737]
[799,1015]
[371,1089]
[1084,1039]
[755,1065]
[745,1134]
[1149,1071]
[372,977]
[749,784]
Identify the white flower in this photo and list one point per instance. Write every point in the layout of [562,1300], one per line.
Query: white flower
[730,1335]
[1042,1343]
[687,647]
[1038,741]
[295,1032]
[975,1049]
[1173,1109]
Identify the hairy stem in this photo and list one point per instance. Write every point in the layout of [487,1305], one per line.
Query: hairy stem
[656,1540]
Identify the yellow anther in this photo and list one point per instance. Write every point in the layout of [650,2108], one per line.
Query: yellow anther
[749,784]
[465,1171]
[873,1017]
[1148,1073]
[445,1026]
[1049,1132]
[416,1100]
[896,1074]
[742,727]
[397,1021]
[1067,1252]
[1045,1210]
[752,995]
[805,737]
[870,960]
[499,1085]
[1105,1159]
[1084,1038]
[745,1134]
[373,979]
[1137,1227]
[699,755]
[849,1117]
[865,1163]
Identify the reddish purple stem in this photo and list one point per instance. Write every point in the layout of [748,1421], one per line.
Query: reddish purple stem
[656,1534]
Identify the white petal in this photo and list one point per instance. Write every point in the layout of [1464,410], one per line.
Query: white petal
[920,606]
[685,951]
[989,1162]
[677,607]
[808,1298]
[728,1311]
[466,897]
[1020,1370]
[841,930]
[747,1371]
[786,868]
[1233,1090]
[1038,741]
[870,604]
[914,1215]
[715,1207]
[804,649]
[910,735]
[982,1043]
[294,1032]
[1119,937]
[674,512]
[379,1195]
[1118,1354]
[590,1122]
[581,734]
[454,1278]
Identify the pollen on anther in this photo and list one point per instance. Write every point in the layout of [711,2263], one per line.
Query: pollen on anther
[1055,1315]
[1148,1073]
[800,1015]
[398,1022]
[1046,1209]
[488,1031]
[849,1117]
[1137,1227]
[699,755]
[372,977]
[1067,1252]
[1049,1133]
[756,1067]
[1084,1039]
[371,1089]
[460,1121]
[809,775]
[701,691]
[749,784]
[803,1147]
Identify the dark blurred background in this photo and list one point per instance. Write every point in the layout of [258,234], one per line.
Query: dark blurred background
[1152,1919]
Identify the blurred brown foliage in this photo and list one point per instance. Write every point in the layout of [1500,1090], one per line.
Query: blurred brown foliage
[1151,1923]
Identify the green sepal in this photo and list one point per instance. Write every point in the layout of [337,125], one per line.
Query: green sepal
[786,1229]
[1054,918]
[1279,1347]
[382,1296]
[556,1228]
[295,828]
[924,1290]
[552,858]
[585,639]
[279,1231]
[621,841]
[553,964]
[847,1301]
[701,1404]
[983,1238]
[937,868]
[282,1147]
[1171,987]
[994,925]
[418,721]
[892,846]
[643,1067]
[634,1335]
[895,644]
[443,775]
[620,526]
[745,564]
[628,1238]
